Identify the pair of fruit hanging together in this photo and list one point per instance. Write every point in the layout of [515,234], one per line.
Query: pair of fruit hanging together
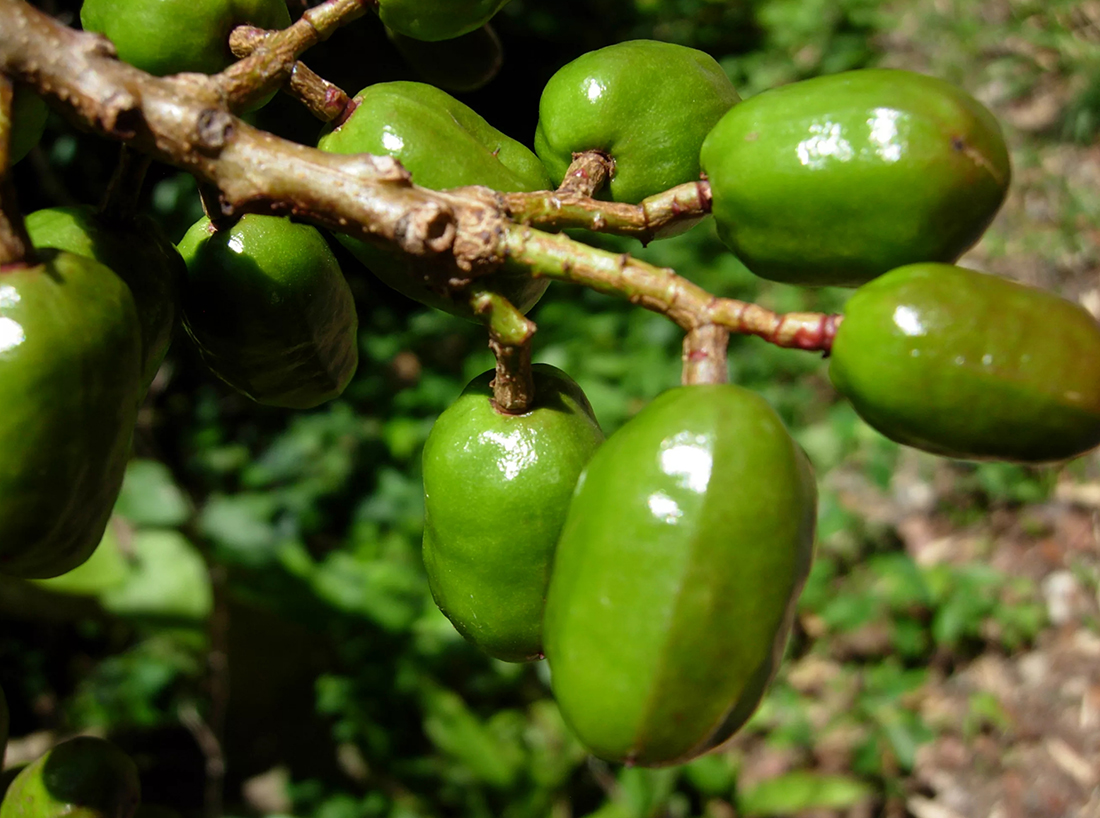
[832,181]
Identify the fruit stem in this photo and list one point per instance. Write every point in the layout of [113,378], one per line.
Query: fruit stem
[660,289]
[120,202]
[705,355]
[588,172]
[683,204]
[324,100]
[510,334]
[272,62]
[15,245]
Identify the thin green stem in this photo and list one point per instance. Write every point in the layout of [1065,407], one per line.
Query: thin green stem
[510,334]
[705,358]
[662,290]
[673,209]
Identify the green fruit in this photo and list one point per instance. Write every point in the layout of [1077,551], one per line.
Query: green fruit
[269,310]
[443,144]
[496,490]
[170,36]
[84,777]
[105,569]
[675,580]
[965,364]
[138,252]
[838,179]
[28,116]
[647,104]
[463,64]
[437,19]
[70,370]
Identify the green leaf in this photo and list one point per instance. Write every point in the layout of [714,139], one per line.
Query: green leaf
[169,580]
[105,569]
[150,497]
[800,790]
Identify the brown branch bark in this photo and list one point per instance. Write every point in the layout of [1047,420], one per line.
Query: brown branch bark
[15,245]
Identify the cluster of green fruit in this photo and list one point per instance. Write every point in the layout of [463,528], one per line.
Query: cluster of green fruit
[84,777]
[657,570]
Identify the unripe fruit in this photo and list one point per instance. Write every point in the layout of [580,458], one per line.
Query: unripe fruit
[28,116]
[496,490]
[70,373]
[463,64]
[965,364]
[443,144]
[84,777]
[171,36]
[269,310]
[138,252]
[646,104]
[837,179]
[437,19]
[675,579]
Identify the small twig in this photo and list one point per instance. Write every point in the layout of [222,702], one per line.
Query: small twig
[705,355]
[213,756]
[324,100]
[15,245]
[510,334]
[588,172]
[662,290]
[120,202]
[269,66]
[676,208]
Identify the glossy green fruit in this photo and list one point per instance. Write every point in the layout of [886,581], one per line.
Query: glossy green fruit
[270,311]
[496,490]
[170,36]
[70,371]
[970,365]
[138,252]
[647,104]
[463,64]
[28,116]
[675,580]
[84,777]
[838,179]
[444,144]
[437,19]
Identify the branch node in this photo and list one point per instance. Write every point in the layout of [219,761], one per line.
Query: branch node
[213,131]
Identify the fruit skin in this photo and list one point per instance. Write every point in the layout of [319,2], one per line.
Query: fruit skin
[647,104]
[463,64]
[138,252]
[70,370]
[969,365]
[836,180]
[170,36]
[84,777]
[437,19]
[28,116]
[443,144]
[269,309]
[496,491]
[688,541]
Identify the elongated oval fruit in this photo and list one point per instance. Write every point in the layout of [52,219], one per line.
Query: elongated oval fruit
[463,64]
[84,777]
[70,372]
[838,179]
[969,365]
[443,144]
[437,19]
[645,103]
[170,36]
[138,252]
[28,116]
[269,310]
[674,583]
[496,491]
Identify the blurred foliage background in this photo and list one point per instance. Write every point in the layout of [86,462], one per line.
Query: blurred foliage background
[257,630]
